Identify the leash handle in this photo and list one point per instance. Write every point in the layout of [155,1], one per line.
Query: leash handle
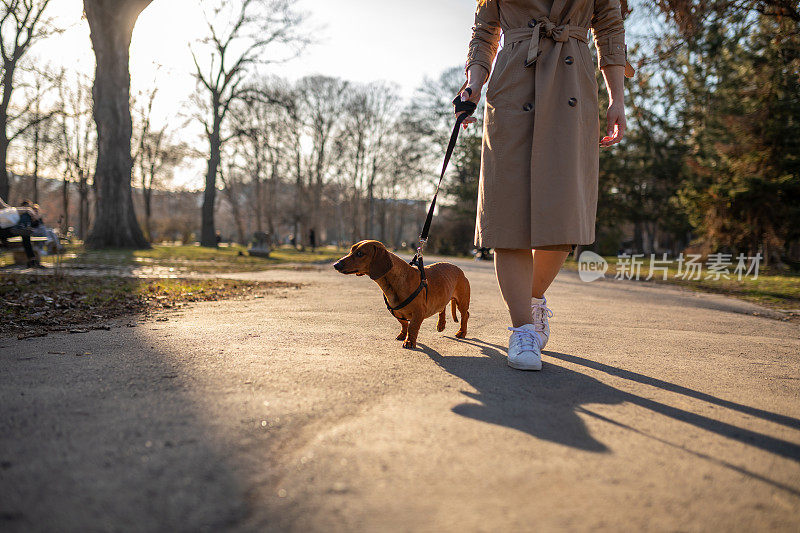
[464,106]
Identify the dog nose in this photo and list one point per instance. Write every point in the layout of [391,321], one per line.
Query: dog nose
[338,266]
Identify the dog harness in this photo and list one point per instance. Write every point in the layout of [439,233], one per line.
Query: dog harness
[423,284]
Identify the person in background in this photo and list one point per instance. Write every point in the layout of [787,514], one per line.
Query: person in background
[53,244]
[27,219]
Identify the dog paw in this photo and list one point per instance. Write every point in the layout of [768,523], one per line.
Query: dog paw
[440,327]
[401,337]
[408,345]
[461,334]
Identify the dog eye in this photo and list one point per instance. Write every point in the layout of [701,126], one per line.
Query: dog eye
[359,254]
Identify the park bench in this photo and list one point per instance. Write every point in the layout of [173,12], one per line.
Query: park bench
[262,245]
[15,247]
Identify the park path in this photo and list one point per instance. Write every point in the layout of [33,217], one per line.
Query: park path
[657,410]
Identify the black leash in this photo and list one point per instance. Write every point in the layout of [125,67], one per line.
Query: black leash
[465,109]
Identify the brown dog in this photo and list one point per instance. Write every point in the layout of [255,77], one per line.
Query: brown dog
[398,280]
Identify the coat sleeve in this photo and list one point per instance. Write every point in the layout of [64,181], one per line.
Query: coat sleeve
[485,36]
[609,33]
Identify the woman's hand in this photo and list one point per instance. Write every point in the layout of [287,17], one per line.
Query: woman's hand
[615,117]
[472,91]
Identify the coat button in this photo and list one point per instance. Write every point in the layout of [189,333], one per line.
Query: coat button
[532,23]
[527,107]
[568,60]
[572,102]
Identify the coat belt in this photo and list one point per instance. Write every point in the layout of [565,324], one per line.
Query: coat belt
[544,27]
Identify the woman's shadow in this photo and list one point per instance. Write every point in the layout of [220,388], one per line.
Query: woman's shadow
[544,404]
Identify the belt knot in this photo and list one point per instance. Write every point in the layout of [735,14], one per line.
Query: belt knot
[549,28]
[544,27]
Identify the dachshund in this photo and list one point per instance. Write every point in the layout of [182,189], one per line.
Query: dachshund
[398,280]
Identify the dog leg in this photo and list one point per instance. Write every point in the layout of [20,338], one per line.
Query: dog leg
[413,331]
[442,320]
[462,301]
[462,331]
[403,329]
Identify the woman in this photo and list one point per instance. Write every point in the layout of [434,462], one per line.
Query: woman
[19,223]
[537,196]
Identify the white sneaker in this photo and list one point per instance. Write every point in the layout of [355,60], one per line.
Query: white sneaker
[540,315]
[525,348]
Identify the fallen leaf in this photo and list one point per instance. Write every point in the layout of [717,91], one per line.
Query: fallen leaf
[31,334]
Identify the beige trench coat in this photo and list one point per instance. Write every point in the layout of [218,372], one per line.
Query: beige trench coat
[540,156]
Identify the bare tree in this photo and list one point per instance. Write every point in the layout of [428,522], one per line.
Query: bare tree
[369,122]
[691,15]
[77,146]
[234,184]
[233,48]
[323,99]
[252,124]
[299,166]
[22,24]
[39,136]
[264,136]
[111,25]
[156,157]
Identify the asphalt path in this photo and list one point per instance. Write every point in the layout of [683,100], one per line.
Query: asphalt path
[657,409]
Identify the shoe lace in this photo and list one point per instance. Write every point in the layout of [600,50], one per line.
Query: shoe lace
[540,314]
[529,339]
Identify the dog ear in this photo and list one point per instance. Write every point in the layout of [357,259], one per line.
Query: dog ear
[381,263]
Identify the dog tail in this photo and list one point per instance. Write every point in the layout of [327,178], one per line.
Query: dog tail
[453,309]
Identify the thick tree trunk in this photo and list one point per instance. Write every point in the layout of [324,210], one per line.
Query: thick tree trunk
[233,200]
[299,234]
[272,191]
[8,86]
[147,195]
[36,150]
[638,237]
[237,217]
[83,206]
[111,26]
[5,186]
[369,225]
[208,234]
[65,205]
[259,199]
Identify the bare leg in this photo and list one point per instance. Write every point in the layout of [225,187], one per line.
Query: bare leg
[514,269]
[546,264]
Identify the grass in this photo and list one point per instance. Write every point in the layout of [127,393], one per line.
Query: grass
[187,259]
[770,289]
[32,305]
